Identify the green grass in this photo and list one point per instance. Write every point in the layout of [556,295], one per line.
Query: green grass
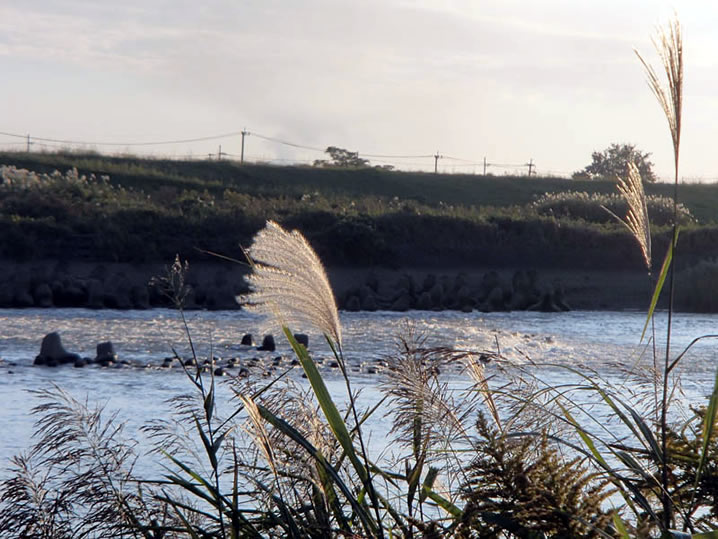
[463,190]
[149,210]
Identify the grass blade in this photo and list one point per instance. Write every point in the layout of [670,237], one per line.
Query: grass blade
[659,283]
[334,418]
[620,526]
[708,427]
[442,502]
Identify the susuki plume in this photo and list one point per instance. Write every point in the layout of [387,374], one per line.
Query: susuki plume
[289,282]
[670,49]
[636,220]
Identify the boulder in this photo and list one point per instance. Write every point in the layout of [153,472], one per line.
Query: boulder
[372,281]
[352,304]
[525,292]
[302,338]
[436,294]
[105,353]
[6,294]
[489,282]
[95,294]
[53,353]
[496,299]
[43,295]
[560,300]
[118,295]
[546,305]
[23,298]
[69,292]
[140,297]
[424,302]
[247,340]
[267,344]
[429,282]
[369,303]
[402,303]
[464,298]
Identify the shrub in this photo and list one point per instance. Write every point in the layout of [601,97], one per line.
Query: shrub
[590,207]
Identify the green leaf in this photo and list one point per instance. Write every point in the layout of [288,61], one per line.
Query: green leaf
[647,435]
[442,502]
[334,418]
[585,437]
[620,526]
[659,284]
[708,427]
[209,403]
[428,482]
[207,445]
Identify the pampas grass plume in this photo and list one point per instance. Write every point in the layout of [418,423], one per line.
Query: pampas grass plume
[289,283]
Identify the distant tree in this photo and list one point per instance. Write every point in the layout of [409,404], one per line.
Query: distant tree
[341,158]
[613,161]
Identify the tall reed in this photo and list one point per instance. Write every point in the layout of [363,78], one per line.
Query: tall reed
[669,45]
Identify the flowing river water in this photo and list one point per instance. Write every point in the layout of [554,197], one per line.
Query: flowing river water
[606,342]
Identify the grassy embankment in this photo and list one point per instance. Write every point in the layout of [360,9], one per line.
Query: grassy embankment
[149,210]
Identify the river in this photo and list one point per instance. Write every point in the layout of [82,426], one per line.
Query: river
[607,342]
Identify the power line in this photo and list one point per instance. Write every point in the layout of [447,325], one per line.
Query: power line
[459,159]
[47,142]
[395,156]
[285,143]
[145,143]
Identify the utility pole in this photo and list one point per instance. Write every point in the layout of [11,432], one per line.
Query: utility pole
[219,153]
[241,157]
[531,166]
[436,162]
[27,146]
[484,165]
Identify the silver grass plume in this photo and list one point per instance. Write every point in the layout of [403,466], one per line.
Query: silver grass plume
[636,220]
[670,49]
[476,371]
[289,282]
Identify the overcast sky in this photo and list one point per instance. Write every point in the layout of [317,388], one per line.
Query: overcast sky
[509,80]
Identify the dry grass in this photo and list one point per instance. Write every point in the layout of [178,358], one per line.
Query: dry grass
[636,220]
[289,283]
[669,45]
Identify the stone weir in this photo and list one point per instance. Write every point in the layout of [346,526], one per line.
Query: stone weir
[251,360]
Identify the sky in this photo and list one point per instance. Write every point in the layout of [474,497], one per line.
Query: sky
[547,81]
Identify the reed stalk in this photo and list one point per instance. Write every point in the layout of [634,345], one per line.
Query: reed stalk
[669,45]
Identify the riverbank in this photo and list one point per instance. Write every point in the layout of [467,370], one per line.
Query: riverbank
[214,285]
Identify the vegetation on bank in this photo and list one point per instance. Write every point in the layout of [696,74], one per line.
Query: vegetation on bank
[129,209]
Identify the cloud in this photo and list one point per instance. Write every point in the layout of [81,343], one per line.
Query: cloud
[383,76]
